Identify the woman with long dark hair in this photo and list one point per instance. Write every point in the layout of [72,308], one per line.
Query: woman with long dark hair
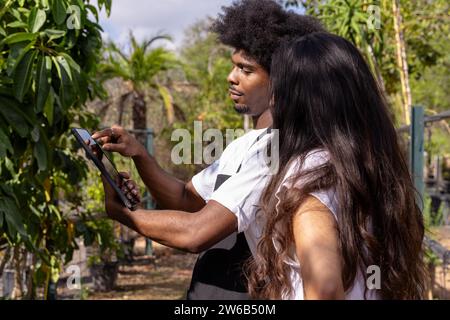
[341,215]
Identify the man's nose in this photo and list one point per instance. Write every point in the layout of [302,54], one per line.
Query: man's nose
[232,78]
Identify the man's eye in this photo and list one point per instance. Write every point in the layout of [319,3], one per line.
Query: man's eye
[245,71]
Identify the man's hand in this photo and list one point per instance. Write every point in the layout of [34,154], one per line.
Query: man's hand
[168,191]
[114,206]
[129,188]
[117,139]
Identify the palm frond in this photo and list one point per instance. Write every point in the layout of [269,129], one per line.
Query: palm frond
[168,102]
[149,42]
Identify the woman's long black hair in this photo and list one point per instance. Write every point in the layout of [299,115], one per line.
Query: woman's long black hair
[325,97]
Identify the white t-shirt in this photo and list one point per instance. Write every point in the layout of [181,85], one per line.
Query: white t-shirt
[241,152]
[241,194]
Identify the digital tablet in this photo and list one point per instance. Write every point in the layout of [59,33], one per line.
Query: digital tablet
[102,162]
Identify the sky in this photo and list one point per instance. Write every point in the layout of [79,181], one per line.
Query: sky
[146,18]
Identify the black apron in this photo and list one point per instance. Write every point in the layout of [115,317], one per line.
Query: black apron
[218,272]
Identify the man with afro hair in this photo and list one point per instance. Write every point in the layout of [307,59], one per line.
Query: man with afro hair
[208,213]
[259,26]
[254,29]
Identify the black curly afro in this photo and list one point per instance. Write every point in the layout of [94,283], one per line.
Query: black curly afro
[259,26]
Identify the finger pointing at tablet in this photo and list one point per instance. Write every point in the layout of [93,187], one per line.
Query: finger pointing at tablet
[117,139]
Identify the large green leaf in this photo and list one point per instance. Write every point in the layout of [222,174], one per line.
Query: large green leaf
[78,80]
[53,34]
[49,106]
[59,8]
[23,74]
[17,52]
[43,79]
[40,153]
[62,61]
[12,215]
[70,62]
[5,144]
[17,24]
[36,19]
[15,13]
[66,88]
[35,133]
[14,116]
[19,37]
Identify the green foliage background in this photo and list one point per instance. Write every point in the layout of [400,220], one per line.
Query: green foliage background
[48,54]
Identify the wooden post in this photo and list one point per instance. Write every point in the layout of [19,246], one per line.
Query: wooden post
[416,151]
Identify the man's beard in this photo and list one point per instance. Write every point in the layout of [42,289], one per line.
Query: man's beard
[242,108]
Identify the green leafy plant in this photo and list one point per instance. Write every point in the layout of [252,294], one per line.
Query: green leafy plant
[48,53]
[425,28]
[432,218]
[100,233]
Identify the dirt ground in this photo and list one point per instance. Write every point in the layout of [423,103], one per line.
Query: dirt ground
[442,235]
[165,275]
[441,288]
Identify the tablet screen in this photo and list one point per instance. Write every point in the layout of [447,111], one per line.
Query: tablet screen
[98,152]
[95,152]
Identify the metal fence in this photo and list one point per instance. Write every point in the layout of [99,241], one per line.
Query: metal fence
[439,265]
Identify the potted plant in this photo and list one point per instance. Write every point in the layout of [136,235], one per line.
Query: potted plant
[106,251]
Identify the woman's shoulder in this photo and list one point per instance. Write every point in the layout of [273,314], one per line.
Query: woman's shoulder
[313,159]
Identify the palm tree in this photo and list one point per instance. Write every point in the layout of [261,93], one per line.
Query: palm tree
[139,69]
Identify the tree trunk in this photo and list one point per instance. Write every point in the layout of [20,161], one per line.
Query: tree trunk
[139,116]
[5,260]
[401,61]
[139,123]
[18,284]
[122,101]
[31,292]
